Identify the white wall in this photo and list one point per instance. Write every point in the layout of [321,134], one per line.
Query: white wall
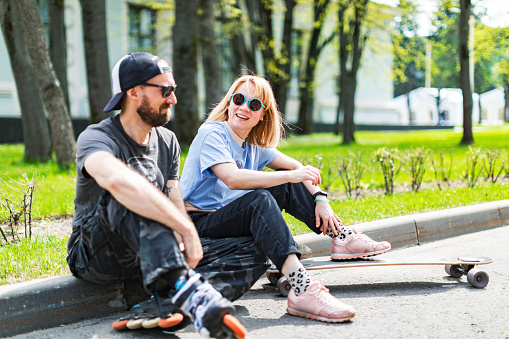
[492,106]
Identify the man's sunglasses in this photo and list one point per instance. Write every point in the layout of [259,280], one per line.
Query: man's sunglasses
[165,89]
[254,104]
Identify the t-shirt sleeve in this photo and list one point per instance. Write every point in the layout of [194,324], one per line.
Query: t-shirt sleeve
[215,149]
[174,172]
[90,141]
[266,156]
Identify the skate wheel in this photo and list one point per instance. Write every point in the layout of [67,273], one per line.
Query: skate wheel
[150,323]
[235,326]
[120,325]
[284,286]
[273,278]
[134,324]
[478,279]
[454,271]
[175,319]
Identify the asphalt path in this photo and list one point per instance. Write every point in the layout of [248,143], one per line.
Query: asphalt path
[391,302]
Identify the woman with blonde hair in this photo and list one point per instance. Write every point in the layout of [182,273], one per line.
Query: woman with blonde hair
[227,194]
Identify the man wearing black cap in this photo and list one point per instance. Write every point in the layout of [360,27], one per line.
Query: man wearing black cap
[129,215]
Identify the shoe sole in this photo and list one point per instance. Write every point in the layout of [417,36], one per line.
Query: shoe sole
[357,255]
[315,317]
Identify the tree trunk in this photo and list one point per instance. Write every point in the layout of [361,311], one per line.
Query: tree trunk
[243,55]
[343,59]
[243,61]
[352,43]
[468,137]
[210,55]
[61,128]
[506,97]
[479,105]
[58,44]
[349,107]
[36,135]
[340,110]
[438,100]
[185,41]
[408,102]
[96,55]
[283,81]
[305,122]
[409,107]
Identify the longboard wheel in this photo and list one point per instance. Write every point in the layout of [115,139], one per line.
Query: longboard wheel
[454,271]
[273,278]
[175,319]
[478,279]
[235,326]
[284,286]
[120,325]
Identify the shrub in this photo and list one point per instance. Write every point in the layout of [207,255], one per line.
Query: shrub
[390,163]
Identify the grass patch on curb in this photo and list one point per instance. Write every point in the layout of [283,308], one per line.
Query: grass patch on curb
[29,259]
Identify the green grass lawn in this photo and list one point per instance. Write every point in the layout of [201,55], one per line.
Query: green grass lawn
[35,258]
[56,192]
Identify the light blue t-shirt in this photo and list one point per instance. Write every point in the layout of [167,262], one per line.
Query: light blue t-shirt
[214,145]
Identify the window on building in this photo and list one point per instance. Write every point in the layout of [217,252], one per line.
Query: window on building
[142,35]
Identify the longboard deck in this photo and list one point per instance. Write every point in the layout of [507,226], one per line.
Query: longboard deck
[455,267]
[322,263]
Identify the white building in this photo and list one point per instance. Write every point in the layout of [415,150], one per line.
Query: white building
[423,107]
[493,107]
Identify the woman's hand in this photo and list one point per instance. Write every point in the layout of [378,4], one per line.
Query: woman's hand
[305,173]
[327,218]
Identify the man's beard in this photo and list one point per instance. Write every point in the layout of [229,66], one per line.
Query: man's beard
[151,118]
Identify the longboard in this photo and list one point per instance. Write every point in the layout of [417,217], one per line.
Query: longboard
[454,267]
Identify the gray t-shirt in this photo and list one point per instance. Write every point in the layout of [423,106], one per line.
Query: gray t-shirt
[158,161]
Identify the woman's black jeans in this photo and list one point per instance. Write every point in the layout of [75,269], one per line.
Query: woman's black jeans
[258,214]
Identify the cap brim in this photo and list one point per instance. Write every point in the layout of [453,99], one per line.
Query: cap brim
[114,103]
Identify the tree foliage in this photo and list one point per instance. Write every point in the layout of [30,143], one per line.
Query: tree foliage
[445,42]
[409,50]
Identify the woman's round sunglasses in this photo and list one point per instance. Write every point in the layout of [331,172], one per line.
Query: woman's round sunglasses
[165,89]
[254,104]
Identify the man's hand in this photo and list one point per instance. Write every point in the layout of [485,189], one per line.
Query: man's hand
[192,246]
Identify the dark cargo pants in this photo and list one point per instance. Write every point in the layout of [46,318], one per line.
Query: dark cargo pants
[116,244]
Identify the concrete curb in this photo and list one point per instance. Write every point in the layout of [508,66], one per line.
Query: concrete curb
[51,302]
[420,228]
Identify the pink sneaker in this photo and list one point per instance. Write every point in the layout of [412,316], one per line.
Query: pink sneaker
[351,244]
[318,304]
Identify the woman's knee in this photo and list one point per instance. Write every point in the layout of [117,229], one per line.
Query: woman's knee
[264,200]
